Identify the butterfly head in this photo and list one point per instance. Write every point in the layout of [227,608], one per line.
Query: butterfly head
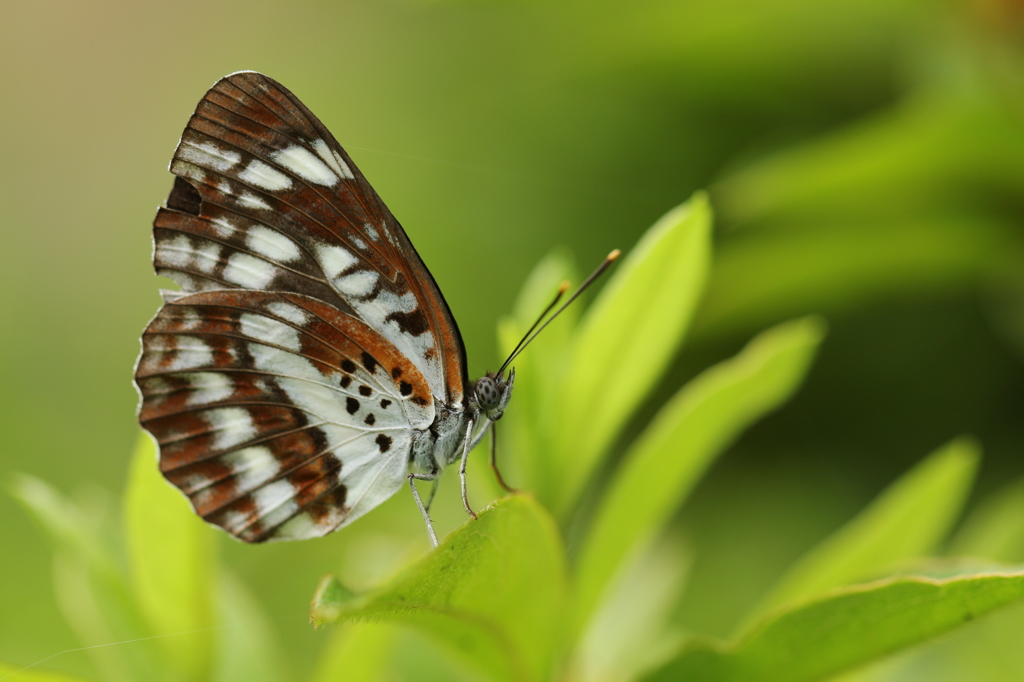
[492,393]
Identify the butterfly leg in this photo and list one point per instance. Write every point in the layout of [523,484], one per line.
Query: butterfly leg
[419,503]
[433,490]
[494,459]
[462,468]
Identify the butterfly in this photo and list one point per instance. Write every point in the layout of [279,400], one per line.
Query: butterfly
[309,366]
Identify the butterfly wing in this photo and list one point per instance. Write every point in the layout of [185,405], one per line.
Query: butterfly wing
[287,381]
[279,416]
[265,198]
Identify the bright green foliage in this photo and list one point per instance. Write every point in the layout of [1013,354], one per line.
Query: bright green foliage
[170,554]
[505,597]
[545,364]
[907,521]
[626,339]
[695,426]
[169,612]
[494,589]
[846,629]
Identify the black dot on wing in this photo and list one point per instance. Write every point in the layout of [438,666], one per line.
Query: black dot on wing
[419,401]
[405,387]
[370,419]
[345,381]
[365,390]
[396,372]
[384,442]
[348,365]
[384,402]
[369,363]
[352,405]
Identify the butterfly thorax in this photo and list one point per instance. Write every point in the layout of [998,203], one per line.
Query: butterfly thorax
[438,446]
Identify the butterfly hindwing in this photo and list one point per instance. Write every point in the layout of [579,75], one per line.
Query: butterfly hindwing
[281,417]
[266,199]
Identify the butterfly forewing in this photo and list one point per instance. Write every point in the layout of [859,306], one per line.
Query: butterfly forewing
[278,415]
[267,199]
[288,382]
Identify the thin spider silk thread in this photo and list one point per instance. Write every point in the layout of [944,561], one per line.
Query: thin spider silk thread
[100,646]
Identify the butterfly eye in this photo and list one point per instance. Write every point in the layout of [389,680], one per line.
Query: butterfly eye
[487,394]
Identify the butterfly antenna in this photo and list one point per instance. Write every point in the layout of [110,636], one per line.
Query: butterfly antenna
[540,318]
[531,334]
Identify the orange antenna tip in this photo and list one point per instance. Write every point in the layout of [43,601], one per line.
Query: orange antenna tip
[563,287]
[613,255]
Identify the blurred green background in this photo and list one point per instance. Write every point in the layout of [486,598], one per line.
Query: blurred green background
[865,160]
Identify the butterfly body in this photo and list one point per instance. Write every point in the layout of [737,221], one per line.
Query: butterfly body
[309,365]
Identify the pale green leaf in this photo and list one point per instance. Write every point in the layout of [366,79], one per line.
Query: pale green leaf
[627,338]
[850,627]
[494,591]
[171,557]
[631,632]
[91,585]
[906,521]
[669,457]
[532,418]
[247,649]
[357,651]
[995,530]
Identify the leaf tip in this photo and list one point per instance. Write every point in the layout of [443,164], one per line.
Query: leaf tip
[328,601]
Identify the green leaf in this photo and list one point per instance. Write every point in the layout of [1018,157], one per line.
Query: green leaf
[851,627]
[494,591]
[91,584]
[529,425]
[995,530]
[627,338]
[247,648]
[906,521]
[170,552]
[632,633]
[357,651]
[686,435]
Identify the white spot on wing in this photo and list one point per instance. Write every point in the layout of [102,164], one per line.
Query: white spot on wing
[176,253]
[334,259]
[190,171]
[333,159]
[252,201]
[358,242]
[222,226]
[252,467]
[207,257]
[269,178]
[208,387]
[191,353]
[371,231]
[208,155]
[190,319]
[248,271]
[271,244]
[290,312]
[303,163]
[269,330]
[359,283]
[231,426]
[275,497]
